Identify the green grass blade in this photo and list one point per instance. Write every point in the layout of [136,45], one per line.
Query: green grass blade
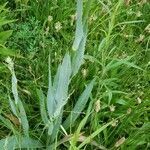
[79,106]
[117,62]
[3,21]
[88,139]
[6,122]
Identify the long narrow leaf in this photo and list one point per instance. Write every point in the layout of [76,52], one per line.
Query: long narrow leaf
[79,26]
[42,106]
[13,107]
[51,105]
[79,106]
[63,83]
[88,139]
[23,118]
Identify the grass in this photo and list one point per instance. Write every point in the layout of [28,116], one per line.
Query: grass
[74,75]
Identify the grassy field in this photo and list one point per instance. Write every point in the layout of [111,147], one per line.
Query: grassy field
[75,75]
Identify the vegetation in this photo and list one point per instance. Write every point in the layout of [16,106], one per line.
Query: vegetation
[75,74]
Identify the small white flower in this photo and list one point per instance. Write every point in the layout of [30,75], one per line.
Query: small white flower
[115,122]
[130,12]
[58,26]
[93,18]
[140,39]
[73,18]
[147,29]
[8,60]
[112,108]
[138,14]
[47,31]
[139,101]
[129,111]
[84,72]
[50,18]
[97,106]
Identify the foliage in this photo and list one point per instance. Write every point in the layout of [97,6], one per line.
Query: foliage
[88,90]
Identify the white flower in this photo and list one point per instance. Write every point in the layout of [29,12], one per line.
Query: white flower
[97,106]
[147,29]
[50,18]
[129,111]
[115,122]
[73,18]
[58,26]
[140,39]
[47,31]
[92,18]
[84,72]
[138,14]
[139,101]
[112,108]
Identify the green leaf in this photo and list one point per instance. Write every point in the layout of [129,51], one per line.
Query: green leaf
[6,123]
[78,57]
[4,35]
[79,26]
[14,86]
[23,118]
[4,21]
[42,106]
[118,62]
[13,107]
[7,52]
[63,83]
[79,106]
[89,138]
[20,142]
[51,104]
[56,125]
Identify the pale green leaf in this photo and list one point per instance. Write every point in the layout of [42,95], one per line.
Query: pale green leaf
[63,83]
[42,106]
[13,142]
[23,118]
[79,26]
[79,106]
